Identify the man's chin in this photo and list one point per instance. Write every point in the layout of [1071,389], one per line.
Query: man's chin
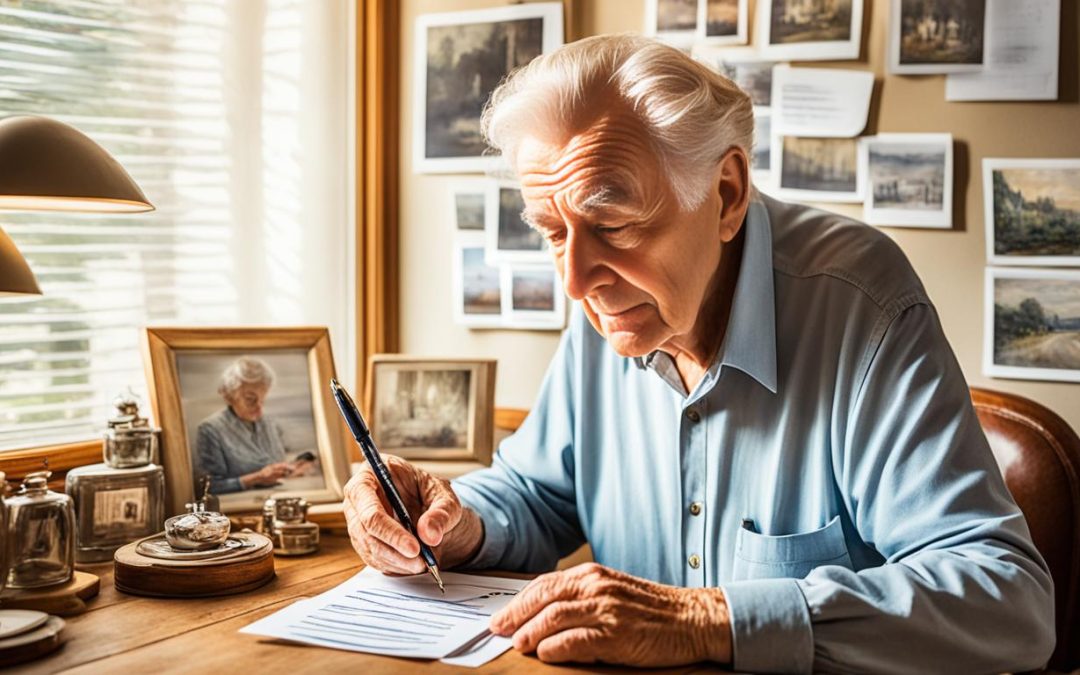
[625,343]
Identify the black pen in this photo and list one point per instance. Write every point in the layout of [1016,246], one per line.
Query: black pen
[367,445]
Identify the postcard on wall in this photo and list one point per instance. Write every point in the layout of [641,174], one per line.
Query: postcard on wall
[467,202]
[816,169]
[722,22]
[477,286]
[909,180]
[672,21]
[533,297]
[509,238]
[821,101]
[937,36]
[1032,324]
[1032,211]
[761,157]
[460,57]
[797,30]
[745,68]
[1022,60]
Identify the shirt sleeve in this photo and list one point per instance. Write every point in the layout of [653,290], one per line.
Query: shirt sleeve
[211,454]
[527,495]
[960,587]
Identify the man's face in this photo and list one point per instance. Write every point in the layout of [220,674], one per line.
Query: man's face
[247,401]
[639,264]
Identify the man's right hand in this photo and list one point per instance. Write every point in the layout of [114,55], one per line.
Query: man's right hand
[455,533]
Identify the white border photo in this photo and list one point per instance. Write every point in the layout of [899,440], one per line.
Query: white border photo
[681,35]
[807,46]
[461,124]
[1040,310]
[902,64]
[738,37]
[510,239]
[468,204]
[922,198]
[825,167]
[533,297]
[474,275]
[1036,191]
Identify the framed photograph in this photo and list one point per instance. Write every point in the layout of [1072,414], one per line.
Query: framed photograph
[477,285]
[722,22]
[1032,211]
[910,180]
[468,202]
[509,238]
[1032,329]
[936,36]
[751,75]
[761,157]
[817,169]
[249,408]
[433,409]
[534,297]
[460,57]
[797,30]
[673,21]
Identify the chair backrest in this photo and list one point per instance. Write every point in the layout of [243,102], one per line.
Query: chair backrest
[1039,455]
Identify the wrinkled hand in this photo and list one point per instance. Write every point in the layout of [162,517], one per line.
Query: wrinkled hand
[593,613]
[301,467]
[454,533]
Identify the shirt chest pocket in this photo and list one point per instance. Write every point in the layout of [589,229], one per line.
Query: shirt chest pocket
[759,556]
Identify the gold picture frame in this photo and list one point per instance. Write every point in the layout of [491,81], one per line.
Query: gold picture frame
[442,413]
[180,370]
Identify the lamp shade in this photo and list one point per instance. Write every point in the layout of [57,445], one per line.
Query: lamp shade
[15,274]
[47,165]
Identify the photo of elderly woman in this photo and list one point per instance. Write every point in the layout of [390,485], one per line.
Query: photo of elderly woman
[249,420]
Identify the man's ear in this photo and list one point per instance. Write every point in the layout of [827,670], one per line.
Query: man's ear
[733,186]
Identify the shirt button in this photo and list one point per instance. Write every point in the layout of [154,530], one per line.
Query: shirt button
[693,415]
[695,508]
[695,561]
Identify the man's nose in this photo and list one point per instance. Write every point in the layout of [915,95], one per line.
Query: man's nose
[578,262]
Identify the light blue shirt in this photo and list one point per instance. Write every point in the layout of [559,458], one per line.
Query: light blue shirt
[880,536]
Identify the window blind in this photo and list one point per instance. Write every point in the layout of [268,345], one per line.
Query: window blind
[232,115]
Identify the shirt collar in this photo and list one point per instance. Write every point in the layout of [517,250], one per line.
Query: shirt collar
[750,342]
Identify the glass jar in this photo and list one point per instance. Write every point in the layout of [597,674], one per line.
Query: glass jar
[284,521]
[114,507]
[130,440]
[197,530]
[42,529]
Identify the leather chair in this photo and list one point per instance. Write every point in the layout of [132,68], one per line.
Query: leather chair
[1039,455]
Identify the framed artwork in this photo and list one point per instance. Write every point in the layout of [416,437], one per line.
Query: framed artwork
[430,408]
[722,22]
[673,21]
[477,285]
[534,298]
[1032,211]
[936,36]
[508,237]
[468,202]
[460,57]
[910,180]
[816,169]
[249,408]
[750,74]
[797,30]
[1032,329]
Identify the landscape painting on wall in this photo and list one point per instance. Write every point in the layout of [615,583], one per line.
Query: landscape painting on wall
[1033,324]
[1032,209]
[817,169]
[909,180]
[809,29]
[937,36]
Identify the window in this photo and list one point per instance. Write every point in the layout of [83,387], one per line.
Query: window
[234,118]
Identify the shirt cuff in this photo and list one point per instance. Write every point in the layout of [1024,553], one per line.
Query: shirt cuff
[496,529]
[770,626]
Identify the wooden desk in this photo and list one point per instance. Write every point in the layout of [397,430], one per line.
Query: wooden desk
[129,634]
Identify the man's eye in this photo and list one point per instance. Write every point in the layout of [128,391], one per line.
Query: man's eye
[610,229]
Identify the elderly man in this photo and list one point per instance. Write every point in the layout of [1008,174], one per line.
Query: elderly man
[754,419]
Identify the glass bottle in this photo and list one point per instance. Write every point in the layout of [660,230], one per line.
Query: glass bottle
[42,534]
[130,440]
[285,522]
[114,507]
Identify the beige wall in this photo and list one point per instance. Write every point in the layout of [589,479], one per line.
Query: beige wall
[950,263]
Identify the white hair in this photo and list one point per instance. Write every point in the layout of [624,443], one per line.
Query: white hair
[691,114]
[245,370]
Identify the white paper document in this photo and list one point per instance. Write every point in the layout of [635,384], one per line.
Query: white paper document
[400,616]
[821,102]
[1022,57]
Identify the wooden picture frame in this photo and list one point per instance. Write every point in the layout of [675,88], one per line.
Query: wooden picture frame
[178,363]
[465,394]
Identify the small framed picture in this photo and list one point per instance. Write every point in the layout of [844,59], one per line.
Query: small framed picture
[509,238]
[673,21]
[761,157]
[796,30]
[751,75]
[534,297]
[469,199]
[460,57]
[1032,329]
[936,36]
[250,409]
[910,180]
[1032,211]
[477,285]
[817,169]
[722,22]
[430,408]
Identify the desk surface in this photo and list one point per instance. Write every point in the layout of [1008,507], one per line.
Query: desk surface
[128,634]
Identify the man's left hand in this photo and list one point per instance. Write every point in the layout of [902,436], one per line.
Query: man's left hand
[593,613]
